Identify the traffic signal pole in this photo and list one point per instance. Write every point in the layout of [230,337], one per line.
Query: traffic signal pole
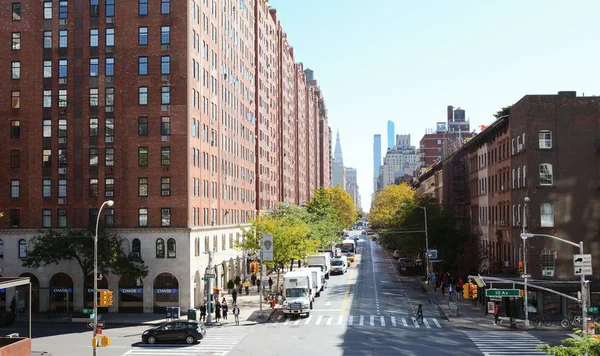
[525,264]
[260,281]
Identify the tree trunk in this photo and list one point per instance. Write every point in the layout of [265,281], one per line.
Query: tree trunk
[291,264]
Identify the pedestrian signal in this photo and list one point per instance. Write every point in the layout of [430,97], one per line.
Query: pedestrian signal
[466,289]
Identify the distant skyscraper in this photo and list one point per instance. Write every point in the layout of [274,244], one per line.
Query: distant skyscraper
[339,172]
[337,154]
[391,136]
[376,159]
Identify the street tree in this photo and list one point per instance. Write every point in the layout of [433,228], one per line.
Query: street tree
[322,219]
[387,204]
[54,247]
[574,346]
[343,205]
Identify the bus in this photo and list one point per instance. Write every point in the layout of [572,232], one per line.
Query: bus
[348,246]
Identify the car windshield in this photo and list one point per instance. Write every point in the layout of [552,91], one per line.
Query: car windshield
[337,263]
[295,292]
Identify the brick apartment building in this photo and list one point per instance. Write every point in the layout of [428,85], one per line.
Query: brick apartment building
[174,110]
[547,149]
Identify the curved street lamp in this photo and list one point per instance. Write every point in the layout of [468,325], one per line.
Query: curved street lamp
[109,203]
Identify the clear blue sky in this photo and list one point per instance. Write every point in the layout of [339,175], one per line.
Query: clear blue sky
[406,61]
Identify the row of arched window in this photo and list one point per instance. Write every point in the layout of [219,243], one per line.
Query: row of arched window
[171,248]
[22,248]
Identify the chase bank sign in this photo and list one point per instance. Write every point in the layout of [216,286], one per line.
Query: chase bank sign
[131,290]
[166,291]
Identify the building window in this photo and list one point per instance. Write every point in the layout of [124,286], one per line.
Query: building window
[160,248]
[165,6]
[545,139]
[109,126]
[46,128]
[62,68]
[93,127]
[46,158]
[143,36]
[16,41]
[47,69]
[546,174]
[109,68]
[92,216]
[15,99]
[165,156]
[62,98]
[548,260]
[143,65]
[524,176]
[94,97]
[165,186]
[143,7]
[47,39]
[143,95]
[47,10]
[165,65]
[63,38]
[15,186]
[109,217]
[109,154]
[46,188]
[547,215]
[15,129]
[15,159]
[46,218]
[142,126]
[109,187]
[62,217]
[171,248]
[109,100]
[15,220]
[143,217]
[62,158]
[93,187]
[94,8]
[16,70]
[165,95]
[93,67]
[63,9]
[110,8]
[22,248]
[165,125]
[62,188]
[136,248]
[143,156]
[110,37]
[165,217]
[143,187]
[94,157]
[47,99]
[165,35]
[16,16]
[94,37]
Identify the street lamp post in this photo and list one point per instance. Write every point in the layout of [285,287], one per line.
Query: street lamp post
[525,236]
[426,238]
[525,263]
[109,203]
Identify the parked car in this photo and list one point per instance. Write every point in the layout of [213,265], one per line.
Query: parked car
[396,254]
[188,331]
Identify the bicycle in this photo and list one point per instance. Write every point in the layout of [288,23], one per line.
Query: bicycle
[575,321]
[540,321]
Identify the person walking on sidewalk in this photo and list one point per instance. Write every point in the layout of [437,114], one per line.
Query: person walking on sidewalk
[217,310]
[443,289]
[270,284]
[234,296]
[247,286]
[236,314]
[224,308]
[496,313]
[253,278]
[202,312]
[420,312]
[240,286]
[450,290]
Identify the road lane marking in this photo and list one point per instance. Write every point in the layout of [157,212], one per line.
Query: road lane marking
[320,318]
[404,322]
[393,320]
[372,320]
[287,321]
[362,320]
[308,319]
[415,322]
[426,323]
[297,322]
[350,276]
[328,321]
[278,319]
[341,318]
[350,319]
[436,323]
[382,320]
[327,304]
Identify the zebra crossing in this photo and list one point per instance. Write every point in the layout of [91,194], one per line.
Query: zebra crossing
[504,343]
[358,321]
[218,341]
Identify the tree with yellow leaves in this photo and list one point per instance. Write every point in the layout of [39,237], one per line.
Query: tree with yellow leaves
[343,206]
[387,205]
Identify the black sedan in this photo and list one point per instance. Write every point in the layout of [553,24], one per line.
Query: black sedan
[188,331]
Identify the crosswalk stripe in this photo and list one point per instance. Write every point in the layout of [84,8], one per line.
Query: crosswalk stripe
[436,322]
[494,343]
[297,322]
[404,322]
[382,320]
[426,323]
[328,321]
[319,319]
[415,322]
[340,319]
[372,320]
[308,320]
[287,321]
[278,318]
[362,320]
[393,321]
[350,319]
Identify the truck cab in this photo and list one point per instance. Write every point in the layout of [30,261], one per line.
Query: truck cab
[299,293]
[318,279]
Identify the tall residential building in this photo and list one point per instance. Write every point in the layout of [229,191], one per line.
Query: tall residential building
[390,134]
[312,134]
[339,171]
[352,185]
[190,126]
[403,159]
[376,159]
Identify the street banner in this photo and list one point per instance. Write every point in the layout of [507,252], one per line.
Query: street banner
[268,247]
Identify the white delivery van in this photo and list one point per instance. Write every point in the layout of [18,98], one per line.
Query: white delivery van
[323,261]
[339,265]
[299,294]
[318,279]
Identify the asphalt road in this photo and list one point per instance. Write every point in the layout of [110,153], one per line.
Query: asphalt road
[367,311]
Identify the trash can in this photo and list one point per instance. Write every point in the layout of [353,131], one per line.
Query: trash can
[192,314]
[453,309]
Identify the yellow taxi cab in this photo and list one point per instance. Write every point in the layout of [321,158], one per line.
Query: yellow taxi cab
[350,257]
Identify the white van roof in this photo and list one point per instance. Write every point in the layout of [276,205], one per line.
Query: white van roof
[296,273]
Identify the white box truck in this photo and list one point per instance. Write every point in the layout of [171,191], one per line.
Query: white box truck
[318,279]
[299,294]
[323,261]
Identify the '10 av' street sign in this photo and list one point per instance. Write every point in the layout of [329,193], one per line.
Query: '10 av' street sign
[503,293]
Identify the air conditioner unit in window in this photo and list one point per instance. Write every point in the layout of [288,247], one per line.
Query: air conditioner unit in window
[62,80]
[110,49]
[110,20]
[165,107]
[62,22]
[62,140]
[109,108]
[62,200]
[548,273]
[109,193]
[502,222]
[166,78]
[62,171]
[109,139]
[108,79]
[165,138]
[165,47]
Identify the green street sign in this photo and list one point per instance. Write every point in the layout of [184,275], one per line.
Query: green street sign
[593,310]
[92,316]
[88,310]
[503,293]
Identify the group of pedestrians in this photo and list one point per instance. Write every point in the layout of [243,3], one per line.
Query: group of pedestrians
[446,282]
[221,309]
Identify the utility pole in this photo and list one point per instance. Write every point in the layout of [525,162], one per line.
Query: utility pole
[525,263]
[583,296]
[426,243]
[261,272]
[209,289]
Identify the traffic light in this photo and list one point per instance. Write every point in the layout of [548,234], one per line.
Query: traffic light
[102,297]
[466,287]
[473,290]
[100,341]
[521,267]
[106,298]
[255,267]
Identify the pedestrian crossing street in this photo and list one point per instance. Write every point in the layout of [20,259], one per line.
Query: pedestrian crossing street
[359,320]
[504,343]
[218,341]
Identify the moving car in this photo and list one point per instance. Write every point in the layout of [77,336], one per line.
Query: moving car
[350,256]
[339,265]
[188,331]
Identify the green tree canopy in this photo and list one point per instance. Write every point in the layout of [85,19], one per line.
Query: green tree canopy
[387,204]
[343,205]
[574,346]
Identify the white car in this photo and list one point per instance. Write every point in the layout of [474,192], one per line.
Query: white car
[339,265]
